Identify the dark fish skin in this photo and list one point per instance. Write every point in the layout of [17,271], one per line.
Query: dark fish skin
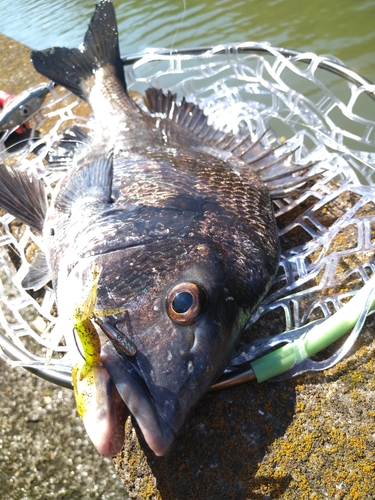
[155,207]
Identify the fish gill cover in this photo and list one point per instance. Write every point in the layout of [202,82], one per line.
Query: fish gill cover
[305,103]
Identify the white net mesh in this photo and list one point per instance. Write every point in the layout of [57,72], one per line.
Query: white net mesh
[327,230]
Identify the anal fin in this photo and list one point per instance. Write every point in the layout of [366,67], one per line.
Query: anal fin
[38,275]
[64,152]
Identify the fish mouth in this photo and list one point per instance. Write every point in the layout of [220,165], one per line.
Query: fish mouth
[158,435]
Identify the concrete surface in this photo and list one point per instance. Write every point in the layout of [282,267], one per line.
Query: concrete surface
[44,450]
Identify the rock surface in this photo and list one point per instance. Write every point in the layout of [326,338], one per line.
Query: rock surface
[309,438]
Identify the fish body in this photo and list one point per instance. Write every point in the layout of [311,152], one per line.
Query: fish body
[181,228]
[19,108]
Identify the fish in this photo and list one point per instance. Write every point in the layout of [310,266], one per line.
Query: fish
[160,240]
[20,108]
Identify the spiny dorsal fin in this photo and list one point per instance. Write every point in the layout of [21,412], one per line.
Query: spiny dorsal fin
[23,196]
[74,68]
[186,114]
[269,166]
[92,181]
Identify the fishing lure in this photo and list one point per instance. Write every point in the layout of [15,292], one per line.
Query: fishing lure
[83,316]
[18,109]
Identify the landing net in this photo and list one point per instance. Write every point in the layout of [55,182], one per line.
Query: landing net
[326,228]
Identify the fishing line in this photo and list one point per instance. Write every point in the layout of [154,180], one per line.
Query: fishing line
[182,19]
[78,345]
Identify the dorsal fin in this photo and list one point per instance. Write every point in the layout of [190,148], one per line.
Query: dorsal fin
[185,113]
[92,181]
[23,196]
[269,166]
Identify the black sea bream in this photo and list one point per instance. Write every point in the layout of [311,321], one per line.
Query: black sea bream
[161,242]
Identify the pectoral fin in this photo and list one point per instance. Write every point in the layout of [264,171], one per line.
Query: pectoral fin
[91,182]
[23,196]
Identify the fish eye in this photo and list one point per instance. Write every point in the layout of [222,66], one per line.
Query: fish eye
[186,302]
[24,110]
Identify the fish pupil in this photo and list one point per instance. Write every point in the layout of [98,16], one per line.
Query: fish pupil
[24,110]
[182,302]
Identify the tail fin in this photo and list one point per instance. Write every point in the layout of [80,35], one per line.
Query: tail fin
[74,68]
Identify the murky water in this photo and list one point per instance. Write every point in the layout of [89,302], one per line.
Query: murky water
[344,29]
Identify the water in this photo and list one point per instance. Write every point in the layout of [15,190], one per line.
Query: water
[344,29]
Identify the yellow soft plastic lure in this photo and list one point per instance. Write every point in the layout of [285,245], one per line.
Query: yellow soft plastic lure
[83,374]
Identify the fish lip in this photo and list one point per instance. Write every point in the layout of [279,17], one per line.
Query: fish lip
[158,435]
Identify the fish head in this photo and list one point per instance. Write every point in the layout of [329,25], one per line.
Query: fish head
[181,317]
[179,312]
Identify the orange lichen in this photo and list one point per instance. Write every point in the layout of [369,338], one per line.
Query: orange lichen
[339,451]
[233,447]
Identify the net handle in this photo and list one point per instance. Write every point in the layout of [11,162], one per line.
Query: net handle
[17,354]
[313,341]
